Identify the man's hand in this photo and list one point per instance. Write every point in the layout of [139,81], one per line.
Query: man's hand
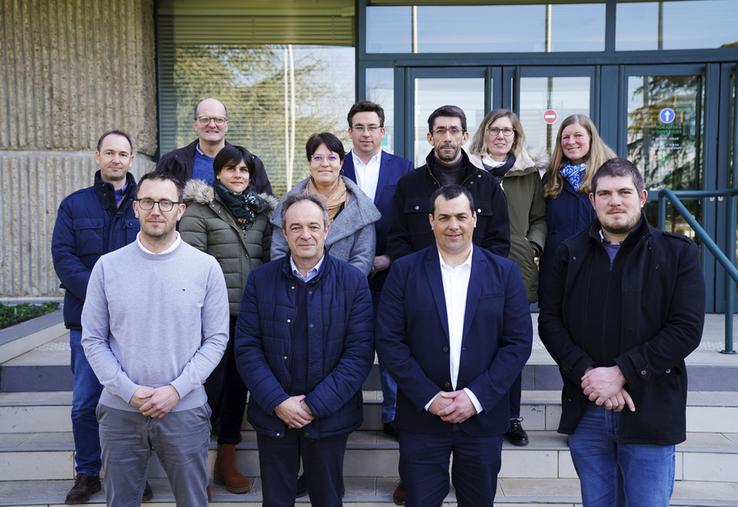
[618,402]
[381,262]
[601,384]
[292,413]
[161,402]
[439,403]
[141,396]
[459,410]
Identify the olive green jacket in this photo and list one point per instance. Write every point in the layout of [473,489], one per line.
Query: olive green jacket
[527,211]
[209,226]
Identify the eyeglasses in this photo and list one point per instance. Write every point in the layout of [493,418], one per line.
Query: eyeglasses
[218,120]
[507,132]
[318,159]
[441,131]
[366,128]
[165,205]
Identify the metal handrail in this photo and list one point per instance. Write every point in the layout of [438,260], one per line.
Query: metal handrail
[728,264]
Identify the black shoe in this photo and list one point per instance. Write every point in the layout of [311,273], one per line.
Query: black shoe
[302,488]
[389,429]
[515,433]
[399,494]
[148,494]
[84,487]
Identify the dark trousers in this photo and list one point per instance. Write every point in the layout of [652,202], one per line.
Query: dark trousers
[227,395]
[322,462]
[515,392]
[424,463]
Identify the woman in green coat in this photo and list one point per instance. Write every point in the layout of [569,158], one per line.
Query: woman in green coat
[230,222]
[498,147]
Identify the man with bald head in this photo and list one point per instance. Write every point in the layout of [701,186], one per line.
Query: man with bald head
[195,161]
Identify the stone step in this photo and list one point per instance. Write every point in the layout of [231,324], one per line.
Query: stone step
[377,492]
[46,366]
[25,412]
[26,336]
[709,457]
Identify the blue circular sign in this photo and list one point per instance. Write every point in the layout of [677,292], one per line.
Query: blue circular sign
[667,115]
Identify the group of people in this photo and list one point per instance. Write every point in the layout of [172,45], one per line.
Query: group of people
[195,295]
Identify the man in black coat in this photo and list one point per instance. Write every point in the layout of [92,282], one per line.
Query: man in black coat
[625,307]
[210,122]
[447,164]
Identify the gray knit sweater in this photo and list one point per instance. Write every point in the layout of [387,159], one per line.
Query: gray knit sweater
[153,320]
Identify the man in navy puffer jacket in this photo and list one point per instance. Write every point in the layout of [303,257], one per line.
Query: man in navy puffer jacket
[91,222]
[304,345]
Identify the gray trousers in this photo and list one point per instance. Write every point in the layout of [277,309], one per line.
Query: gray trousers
[180,440]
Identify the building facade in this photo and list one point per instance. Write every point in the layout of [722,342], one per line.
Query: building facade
[657,77]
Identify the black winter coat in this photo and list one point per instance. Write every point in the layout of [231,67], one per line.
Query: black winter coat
[410,229]
[662,313]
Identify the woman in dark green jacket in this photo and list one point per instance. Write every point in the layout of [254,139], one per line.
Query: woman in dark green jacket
[498,147]
[230,222]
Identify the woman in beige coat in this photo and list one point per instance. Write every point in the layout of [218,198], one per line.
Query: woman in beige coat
[498,147]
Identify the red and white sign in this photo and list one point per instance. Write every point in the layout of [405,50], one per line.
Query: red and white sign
[549,116]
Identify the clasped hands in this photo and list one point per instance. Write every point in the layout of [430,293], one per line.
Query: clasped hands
[294,412]
[452,407]
[154,401]
[604,386]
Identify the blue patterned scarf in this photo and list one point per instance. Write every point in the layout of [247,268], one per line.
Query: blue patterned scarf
[574,174]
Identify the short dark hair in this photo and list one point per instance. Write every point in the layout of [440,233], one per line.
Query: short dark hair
[451,192]
[331,142]
[619,167]
[162,176]
[194,110]
[365,106]
[114,132]
[454,111]
[232,154]
[299,197]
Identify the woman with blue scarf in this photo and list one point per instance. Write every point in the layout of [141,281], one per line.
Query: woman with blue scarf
[229,221]
[578,153]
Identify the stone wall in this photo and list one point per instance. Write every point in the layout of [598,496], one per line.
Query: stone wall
[70,71]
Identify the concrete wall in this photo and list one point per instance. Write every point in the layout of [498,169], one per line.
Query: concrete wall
[70,71]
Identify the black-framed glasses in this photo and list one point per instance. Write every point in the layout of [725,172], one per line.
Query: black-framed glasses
[506,132]
[218,120]
[165,205]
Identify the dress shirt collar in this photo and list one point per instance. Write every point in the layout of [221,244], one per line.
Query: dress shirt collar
[171,248]
[310,274]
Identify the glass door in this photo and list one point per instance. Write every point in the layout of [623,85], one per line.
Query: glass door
[544,96]
[664,135]
[430,88]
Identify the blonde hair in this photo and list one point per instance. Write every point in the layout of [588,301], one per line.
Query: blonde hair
[599,153]
[479,142]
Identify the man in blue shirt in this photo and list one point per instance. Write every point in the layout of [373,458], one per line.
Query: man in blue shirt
[195,161]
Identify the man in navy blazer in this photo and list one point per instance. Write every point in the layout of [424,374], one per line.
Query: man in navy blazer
[376,172]
[455,333]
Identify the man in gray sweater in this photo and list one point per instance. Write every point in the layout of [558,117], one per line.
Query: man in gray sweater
[155,324]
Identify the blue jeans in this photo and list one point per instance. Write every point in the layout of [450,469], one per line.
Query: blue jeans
[86,391]
[616,474]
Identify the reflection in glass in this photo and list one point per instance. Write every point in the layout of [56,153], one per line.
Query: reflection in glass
[579,27]
[380,88]
[565,95]
[665,121]
[482,29]
[388,29]
[486,28]
[431,93]
[690,24]
[276,95]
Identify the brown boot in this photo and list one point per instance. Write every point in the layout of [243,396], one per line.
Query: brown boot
[225,471]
